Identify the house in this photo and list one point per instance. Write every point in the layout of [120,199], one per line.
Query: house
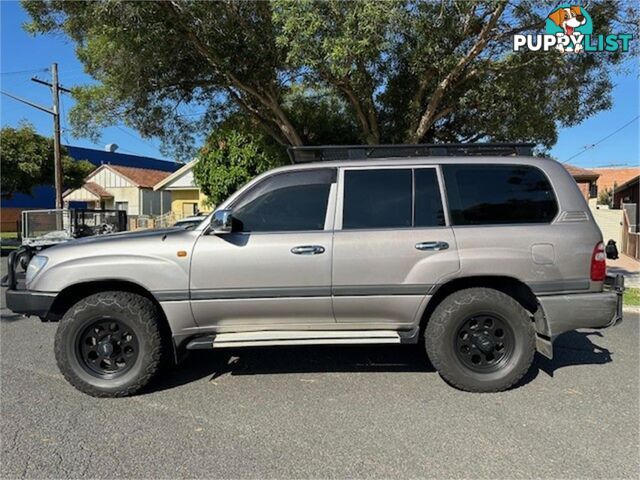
[586,180]
[43,196]
[186,197]
[627,196]
[121,188]
[611,177]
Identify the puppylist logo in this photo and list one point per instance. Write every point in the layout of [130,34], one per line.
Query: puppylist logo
[569,28]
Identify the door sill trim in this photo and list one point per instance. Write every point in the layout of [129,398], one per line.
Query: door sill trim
[295,337]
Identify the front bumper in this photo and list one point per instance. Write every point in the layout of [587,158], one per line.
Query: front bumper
[585,310]
[27,302]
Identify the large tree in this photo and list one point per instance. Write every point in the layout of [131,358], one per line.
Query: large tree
[396,71]
[26,159]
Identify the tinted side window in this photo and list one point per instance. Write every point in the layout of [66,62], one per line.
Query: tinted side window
[428,202]
[377,198]
[286,202]
[498,194]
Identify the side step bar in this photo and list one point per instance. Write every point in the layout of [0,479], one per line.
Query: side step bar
[284,337]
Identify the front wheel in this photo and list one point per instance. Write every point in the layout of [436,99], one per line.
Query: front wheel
[480,340]
[109,344]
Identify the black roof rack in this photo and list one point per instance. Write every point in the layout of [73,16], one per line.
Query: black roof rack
[362,152]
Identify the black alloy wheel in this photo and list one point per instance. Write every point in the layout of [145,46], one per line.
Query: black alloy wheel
[484,343]
[107,348]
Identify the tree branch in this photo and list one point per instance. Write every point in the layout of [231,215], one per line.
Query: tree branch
[270,103]
[427,118]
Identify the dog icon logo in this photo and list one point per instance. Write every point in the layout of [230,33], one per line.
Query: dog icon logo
[572,22]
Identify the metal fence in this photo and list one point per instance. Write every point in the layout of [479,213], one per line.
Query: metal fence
[50,224]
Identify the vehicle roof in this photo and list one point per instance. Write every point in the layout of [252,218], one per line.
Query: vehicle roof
[411,161]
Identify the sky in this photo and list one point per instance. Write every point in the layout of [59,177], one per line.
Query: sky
[23,56]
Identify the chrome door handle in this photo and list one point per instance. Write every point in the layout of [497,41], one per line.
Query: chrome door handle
[308,250]
[432,246]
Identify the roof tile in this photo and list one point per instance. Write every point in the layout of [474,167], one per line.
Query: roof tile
[141,177]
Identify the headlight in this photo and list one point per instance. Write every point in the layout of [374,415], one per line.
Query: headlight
[35,265]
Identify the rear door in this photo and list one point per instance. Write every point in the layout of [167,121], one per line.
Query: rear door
[392,244]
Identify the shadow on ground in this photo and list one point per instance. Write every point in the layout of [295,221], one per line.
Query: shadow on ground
[571,348]
[11,317]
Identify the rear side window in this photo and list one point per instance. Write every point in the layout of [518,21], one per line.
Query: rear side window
[498,194]
[392,198]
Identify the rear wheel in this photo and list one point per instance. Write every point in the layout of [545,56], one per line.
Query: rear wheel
[480,340]
[110,344]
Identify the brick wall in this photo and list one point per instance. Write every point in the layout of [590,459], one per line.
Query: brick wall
[618,175]
[584,188]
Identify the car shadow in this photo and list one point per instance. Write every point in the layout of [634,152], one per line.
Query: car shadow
[300,359]
[8,316]
[572,348]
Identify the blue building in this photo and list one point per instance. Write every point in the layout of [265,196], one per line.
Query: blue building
[43,196]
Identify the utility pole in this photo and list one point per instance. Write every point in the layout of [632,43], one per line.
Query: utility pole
[57,154]
[55,112]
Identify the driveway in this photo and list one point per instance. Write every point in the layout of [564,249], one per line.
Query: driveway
[324,412]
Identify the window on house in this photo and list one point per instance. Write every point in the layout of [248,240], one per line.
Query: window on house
[189,209]
[122,206]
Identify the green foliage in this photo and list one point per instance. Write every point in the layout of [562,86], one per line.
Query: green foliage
[329,71]
[230,158]
[27,161]
[605,196]
[631,297]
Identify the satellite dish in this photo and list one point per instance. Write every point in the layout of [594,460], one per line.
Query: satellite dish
[111,147]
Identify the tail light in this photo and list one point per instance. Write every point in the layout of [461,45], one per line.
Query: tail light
[598,263]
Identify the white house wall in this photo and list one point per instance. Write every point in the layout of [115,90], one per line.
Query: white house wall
[183,181]
[81,195]
[109,179]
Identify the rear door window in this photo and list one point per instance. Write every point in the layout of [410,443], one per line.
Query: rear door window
[428,211]
[392,198]
[377,199]
[498,194]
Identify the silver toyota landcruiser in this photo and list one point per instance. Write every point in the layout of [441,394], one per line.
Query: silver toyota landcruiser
[484,260]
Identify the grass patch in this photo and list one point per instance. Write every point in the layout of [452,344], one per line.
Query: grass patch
[632,297]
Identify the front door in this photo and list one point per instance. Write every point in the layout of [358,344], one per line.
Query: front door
[274,269]
[391,245]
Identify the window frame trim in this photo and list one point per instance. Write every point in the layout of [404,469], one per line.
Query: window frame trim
[338,224]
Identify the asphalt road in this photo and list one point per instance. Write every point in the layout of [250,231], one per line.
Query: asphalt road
[324,412]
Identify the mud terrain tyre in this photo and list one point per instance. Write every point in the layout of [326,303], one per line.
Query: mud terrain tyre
[110,344]
[480,340]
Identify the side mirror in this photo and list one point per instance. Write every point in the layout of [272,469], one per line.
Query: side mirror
[222,221]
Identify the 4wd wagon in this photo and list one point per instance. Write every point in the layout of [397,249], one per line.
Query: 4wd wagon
[482,259]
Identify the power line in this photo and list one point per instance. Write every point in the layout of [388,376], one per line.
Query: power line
[22,72]
[589,147]
[135,137]
[64,122]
